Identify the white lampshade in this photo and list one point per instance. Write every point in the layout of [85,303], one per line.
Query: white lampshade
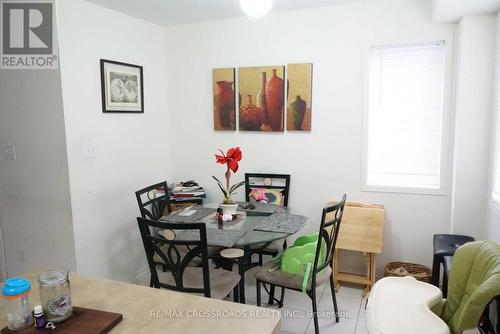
[256,8]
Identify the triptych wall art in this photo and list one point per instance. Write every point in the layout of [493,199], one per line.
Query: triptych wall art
[261,98]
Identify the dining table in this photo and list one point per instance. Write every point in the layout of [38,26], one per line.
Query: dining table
[255,226]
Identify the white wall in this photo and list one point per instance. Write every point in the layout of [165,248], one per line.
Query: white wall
[325,163]
[132,150]
[35,208]
[492,230]
[475,79]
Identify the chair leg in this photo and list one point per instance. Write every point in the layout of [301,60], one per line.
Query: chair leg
[151,281]
[271,295]
[334,298]
[236,294]
[260,259]
[445,285]
[436,268]
[258,293]
[315,310]
[282,298]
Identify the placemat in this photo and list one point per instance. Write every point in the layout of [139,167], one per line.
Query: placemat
[262,209]
[224,238]
[282,223]
[82,321]
[176,217]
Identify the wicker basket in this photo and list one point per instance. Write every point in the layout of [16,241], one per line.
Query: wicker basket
[401,269]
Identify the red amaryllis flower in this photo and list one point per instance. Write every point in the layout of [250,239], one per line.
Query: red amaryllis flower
[231,158]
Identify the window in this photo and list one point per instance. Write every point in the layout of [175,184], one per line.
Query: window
[404,147]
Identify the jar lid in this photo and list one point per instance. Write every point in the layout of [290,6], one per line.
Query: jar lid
[38,310]
[16,286]
[50,277]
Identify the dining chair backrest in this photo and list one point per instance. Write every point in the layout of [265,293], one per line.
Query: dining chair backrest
[153,200]
[331,219]
[176,252]
[279,183]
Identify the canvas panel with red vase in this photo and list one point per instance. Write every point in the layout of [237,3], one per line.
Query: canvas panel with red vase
[261,98]
[224,99]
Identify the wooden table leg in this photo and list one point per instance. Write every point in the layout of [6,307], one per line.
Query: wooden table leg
[374,272]
[335,265]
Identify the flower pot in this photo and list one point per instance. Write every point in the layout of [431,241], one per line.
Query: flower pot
[228,209]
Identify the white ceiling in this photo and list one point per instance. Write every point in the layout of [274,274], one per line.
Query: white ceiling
[449,11]
[172,12]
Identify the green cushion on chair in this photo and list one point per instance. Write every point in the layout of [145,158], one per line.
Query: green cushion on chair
[474,282]
[278,277]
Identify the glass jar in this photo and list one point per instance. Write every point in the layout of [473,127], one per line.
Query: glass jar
[16,292]
[55,295]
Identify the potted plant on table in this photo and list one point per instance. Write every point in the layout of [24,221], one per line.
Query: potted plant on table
[230,159]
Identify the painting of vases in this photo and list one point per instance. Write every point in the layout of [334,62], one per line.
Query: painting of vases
[224,99]
[261,91]
[299,97]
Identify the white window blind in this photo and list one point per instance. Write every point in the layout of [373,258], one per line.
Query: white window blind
[405,115]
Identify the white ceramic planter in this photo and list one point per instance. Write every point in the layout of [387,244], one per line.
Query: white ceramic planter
[228,209]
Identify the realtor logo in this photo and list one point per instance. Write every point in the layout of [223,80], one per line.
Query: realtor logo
[28,35]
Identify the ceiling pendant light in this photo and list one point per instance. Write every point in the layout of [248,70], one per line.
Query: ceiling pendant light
[256,8]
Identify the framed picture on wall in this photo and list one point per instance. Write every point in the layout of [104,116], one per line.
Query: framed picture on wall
[122,87]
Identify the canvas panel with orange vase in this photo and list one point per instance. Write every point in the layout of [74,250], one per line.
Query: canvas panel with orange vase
[299,97]
[224,99]
[261,92]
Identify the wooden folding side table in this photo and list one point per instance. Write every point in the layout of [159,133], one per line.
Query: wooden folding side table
[361,230]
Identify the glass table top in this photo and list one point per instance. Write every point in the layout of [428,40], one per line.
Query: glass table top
[244,223]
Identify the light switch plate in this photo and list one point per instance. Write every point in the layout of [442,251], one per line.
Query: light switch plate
[9,152]
[89,150]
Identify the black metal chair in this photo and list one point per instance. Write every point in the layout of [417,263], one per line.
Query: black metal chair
[281,184]
[152,204]
[214,283]
[320,273]
[257,180]
[445,246]
[284,188]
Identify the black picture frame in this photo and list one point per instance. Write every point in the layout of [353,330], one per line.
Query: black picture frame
[130,71]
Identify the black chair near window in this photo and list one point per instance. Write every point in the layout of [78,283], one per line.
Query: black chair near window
[321,273]
[153,201]
[445,246]
[214,283]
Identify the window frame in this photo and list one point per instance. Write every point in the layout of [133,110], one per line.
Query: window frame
[446,129]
